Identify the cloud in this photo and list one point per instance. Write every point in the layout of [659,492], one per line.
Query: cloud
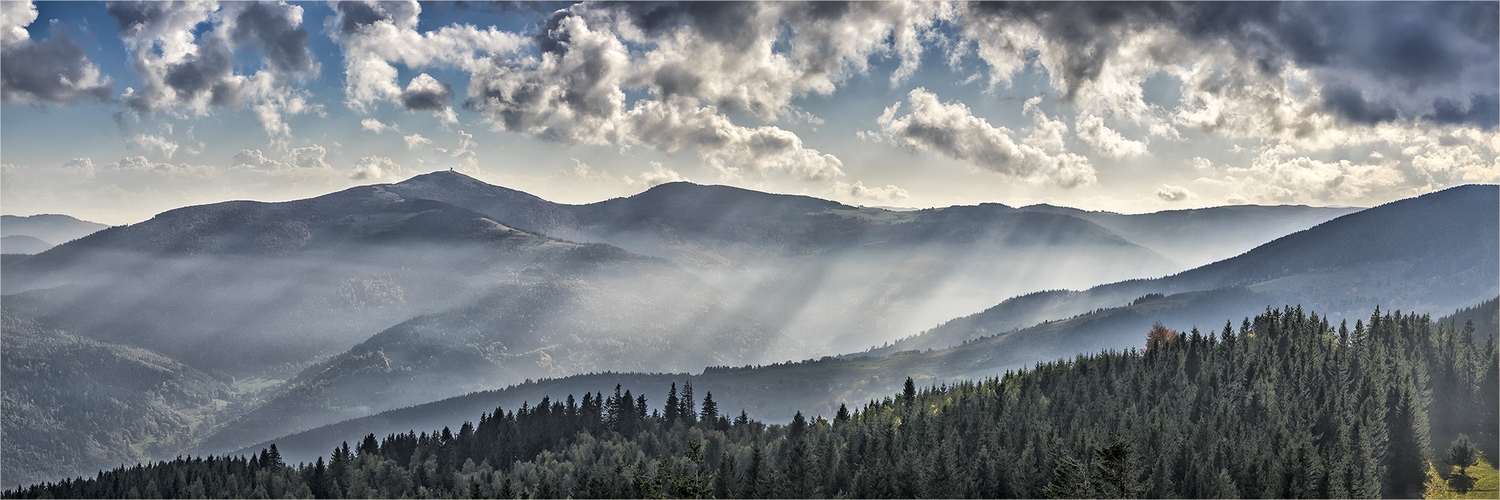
[859,191]
[277,30]
[425,93]
[374,35]
[658,175]
[570,95]
[1046,133]
[375,168]
[731,148]
[153,143]
[184,65]
[1295,72]
[308,157]
[53,70]
[1281,174]
[464,152]
[376,126]
[696,64]
[758,57]
[1169,192]
[1201,163]
[951,130]
[415,141]
[1105,140]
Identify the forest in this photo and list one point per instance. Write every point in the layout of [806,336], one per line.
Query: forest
[1285,405]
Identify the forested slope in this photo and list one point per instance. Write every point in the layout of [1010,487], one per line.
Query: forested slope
[1287,405]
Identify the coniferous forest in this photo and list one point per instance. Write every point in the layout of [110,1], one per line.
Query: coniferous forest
[1283,405]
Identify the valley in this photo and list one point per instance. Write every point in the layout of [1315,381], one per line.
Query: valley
[316,316]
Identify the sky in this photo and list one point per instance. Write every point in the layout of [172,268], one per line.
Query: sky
[114,112]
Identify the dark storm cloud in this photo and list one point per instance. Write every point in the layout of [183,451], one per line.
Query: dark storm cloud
[356,14]
[723,22]
[1408,47]
[284,42]
[1348,101]
[54,70]
[133,16]
[1482,110]
[199,72]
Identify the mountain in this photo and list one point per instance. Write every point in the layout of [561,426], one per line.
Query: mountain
[269,298]
[1200,236]
[22,244]
[51,228]
[313,311]
[1435,252]
[253,289]
[839,277]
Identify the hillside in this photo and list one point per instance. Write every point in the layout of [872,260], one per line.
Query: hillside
[647,317]
[74,405]
[1196,237]
[1280,407]
[1435,252]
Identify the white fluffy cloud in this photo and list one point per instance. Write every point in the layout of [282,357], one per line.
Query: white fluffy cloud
[656,176]
[377,35]
[377,168]
[415,141]
[304,157]
[376,126]
[951,130]
[859,191]
[154,144]
[731,148]
[1169,192]
[185,69]
[1105,140]
[691,60]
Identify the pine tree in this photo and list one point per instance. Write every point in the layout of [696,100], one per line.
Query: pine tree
[670,410]
[686,407]
[710,414]
[1461,454]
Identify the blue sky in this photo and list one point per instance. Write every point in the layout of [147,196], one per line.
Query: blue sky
[116,112]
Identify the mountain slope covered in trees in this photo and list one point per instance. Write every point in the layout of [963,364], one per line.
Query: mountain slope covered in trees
[1287,405]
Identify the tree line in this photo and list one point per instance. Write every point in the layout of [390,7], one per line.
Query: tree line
[1286,405]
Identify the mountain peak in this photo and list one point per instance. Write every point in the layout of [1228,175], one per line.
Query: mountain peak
[443,177]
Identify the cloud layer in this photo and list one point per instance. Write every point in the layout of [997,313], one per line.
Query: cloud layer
[1170,102]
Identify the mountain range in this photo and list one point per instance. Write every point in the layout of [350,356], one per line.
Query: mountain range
[246,321]
[36,233]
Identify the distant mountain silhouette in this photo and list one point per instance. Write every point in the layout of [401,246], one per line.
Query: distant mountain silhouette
[36,233]
[22,244]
